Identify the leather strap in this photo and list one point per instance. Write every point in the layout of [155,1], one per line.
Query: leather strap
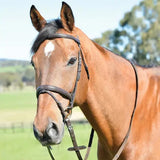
[124,142]
[54,89]
[67,36]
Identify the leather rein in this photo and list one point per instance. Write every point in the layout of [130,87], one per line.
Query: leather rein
[71,97]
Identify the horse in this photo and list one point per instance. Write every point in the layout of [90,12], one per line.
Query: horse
[106,97]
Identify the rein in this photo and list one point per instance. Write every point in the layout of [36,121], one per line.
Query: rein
[124,142]
[71,97]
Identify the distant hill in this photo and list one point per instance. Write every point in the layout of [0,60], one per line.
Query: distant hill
[11,62]
[12,66]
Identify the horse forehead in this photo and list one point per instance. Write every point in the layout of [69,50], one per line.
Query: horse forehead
[49,48]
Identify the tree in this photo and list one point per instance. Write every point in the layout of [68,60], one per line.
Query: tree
[7,79]
[138,35]
[28,76]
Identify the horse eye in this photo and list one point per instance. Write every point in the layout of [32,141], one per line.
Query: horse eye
[72,61]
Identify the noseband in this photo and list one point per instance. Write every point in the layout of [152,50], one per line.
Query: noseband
[71,97]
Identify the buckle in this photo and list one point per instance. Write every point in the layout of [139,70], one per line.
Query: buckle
[77,148]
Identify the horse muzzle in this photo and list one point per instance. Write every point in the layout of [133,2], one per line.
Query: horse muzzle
[51,136]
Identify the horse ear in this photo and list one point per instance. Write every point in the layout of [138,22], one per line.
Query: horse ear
[67,17]
[37,20]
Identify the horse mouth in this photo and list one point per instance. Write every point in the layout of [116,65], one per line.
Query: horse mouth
[51,136]
[48,142]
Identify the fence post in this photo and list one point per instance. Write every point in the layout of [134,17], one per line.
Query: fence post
[13,128]
[22,126]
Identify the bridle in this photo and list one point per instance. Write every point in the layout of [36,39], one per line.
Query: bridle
[71,97]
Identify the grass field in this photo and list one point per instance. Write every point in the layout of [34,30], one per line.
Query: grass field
[11,69]
[18,99]
[17,106]
[23,146]
[14,69]
[20,106]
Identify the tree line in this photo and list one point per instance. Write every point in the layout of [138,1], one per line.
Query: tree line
[138,34]
[15,73]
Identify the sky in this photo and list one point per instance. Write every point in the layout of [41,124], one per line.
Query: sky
[93,17]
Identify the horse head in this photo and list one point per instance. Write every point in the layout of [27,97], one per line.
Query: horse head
[55,60]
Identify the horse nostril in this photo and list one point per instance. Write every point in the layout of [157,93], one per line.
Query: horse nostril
[52,130]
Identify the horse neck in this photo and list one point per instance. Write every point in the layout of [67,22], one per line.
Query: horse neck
[110,94]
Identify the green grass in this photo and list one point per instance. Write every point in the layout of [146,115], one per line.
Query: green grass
[12,69]
[18,99]
[23,145]
[17,106]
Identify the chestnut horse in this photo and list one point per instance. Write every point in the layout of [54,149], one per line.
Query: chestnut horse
[107,98]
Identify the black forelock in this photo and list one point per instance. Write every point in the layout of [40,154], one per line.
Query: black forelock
[46,33]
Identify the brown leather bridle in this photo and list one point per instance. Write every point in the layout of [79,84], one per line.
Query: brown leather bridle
[71,97]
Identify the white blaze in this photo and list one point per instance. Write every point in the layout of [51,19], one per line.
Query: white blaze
[49,48]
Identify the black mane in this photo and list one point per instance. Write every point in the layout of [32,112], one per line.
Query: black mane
[46,33]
